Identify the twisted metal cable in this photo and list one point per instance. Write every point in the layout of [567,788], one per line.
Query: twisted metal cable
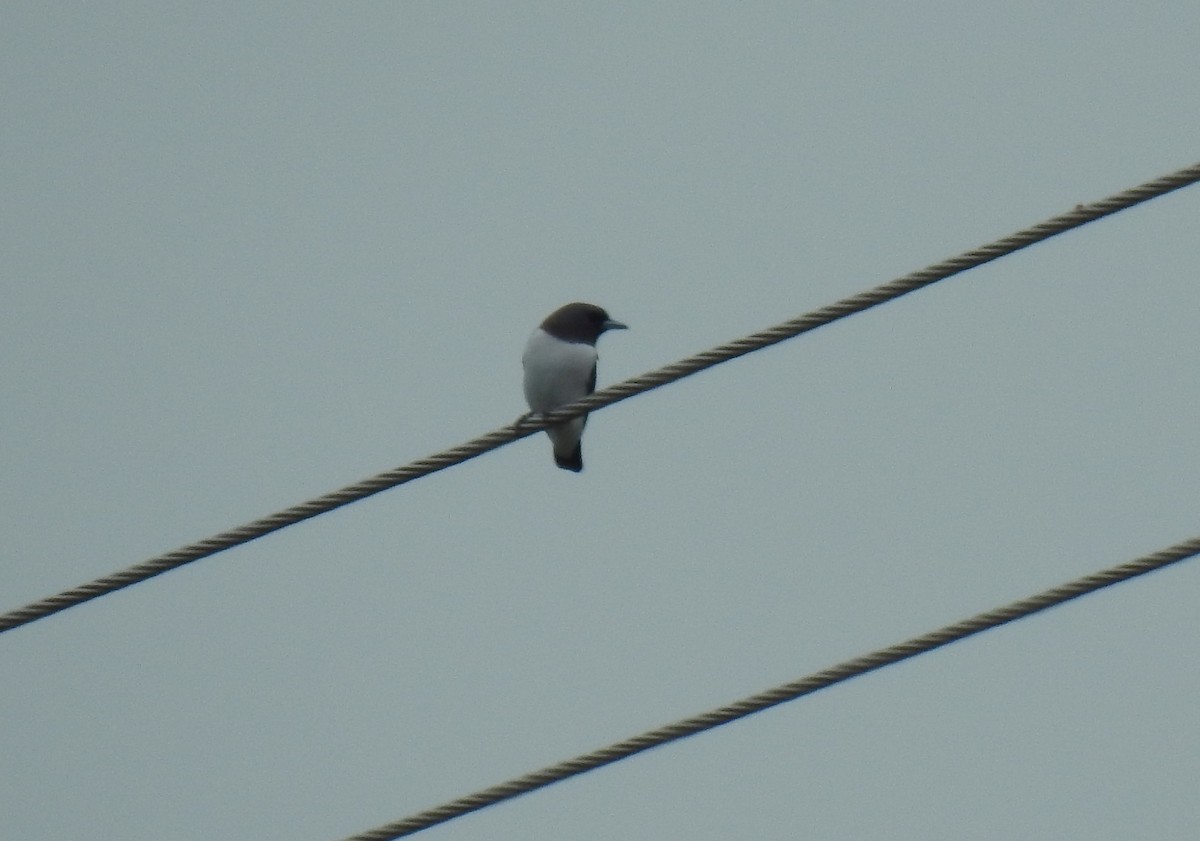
[1081,215]
[781,694]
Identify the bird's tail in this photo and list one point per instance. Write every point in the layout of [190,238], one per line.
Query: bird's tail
[572,461]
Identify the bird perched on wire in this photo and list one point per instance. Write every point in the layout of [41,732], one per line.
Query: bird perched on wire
[560,368]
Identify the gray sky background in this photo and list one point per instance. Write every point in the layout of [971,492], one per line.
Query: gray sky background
[253,253]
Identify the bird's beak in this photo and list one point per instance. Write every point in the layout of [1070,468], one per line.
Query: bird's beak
[609,324]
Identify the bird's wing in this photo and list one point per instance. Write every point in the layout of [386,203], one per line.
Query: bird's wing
[591,388]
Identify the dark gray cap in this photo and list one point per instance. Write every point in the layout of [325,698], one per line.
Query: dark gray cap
[579,323]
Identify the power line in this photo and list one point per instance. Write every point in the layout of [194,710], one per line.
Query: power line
[1081,215]
[781,694]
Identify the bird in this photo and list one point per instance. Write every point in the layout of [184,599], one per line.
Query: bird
[560,368]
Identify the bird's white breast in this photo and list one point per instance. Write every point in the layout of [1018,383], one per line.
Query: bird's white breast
[556,372]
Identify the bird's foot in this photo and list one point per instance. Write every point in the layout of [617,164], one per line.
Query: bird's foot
[529,418]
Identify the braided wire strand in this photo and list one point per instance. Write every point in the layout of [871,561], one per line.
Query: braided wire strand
[1080,215]
[781,694]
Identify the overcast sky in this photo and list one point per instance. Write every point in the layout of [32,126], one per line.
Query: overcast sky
[254,252]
